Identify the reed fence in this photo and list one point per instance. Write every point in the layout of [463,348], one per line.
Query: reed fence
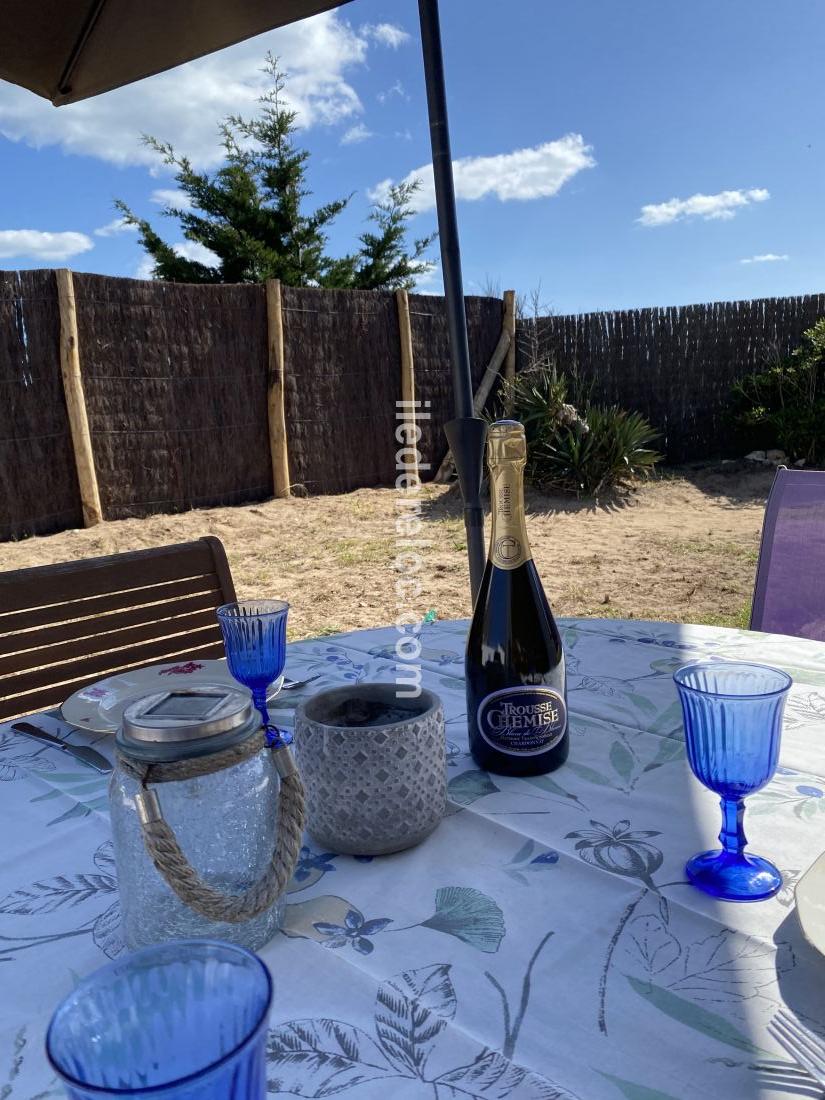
[120,397]
[674,365]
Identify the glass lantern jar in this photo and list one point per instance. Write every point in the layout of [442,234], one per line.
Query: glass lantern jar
[197,761]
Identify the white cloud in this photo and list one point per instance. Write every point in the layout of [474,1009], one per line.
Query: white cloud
[145,268]
[430,281]
[397,89]
[192,250]
[721,206]
[185,105]
[356,134]
[113,228]
[534,173]
[387,34]
[171,196]
[765,258]
[39,245]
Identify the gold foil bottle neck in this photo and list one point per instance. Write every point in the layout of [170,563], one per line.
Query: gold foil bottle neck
[506,442]
[507,456]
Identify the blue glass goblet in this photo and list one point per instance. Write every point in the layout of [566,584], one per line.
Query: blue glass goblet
[254,636]
[184,1020]
[733,722]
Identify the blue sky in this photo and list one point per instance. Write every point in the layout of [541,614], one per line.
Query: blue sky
[616,154]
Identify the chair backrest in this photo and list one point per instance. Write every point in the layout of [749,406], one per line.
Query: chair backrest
[65,626]
[789,596]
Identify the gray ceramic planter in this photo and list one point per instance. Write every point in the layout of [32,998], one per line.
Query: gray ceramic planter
[374,767]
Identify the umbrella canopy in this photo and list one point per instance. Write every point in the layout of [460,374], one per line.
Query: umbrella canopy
[67,50]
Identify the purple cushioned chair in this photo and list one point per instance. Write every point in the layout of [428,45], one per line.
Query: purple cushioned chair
[789,597]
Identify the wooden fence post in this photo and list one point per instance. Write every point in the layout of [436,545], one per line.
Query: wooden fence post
[509,326]
[407,373]
[76,400]
[275,390]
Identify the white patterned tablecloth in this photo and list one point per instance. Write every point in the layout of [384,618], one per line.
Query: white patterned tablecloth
[542,943]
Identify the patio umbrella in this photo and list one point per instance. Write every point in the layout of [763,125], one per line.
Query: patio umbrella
[68,50]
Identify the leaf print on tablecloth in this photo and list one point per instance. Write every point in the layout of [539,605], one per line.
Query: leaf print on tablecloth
[666,666]
[807,799]
[553,788]
[107,932]
[64,894]
[804,707]
[325,1057]
[22,1048]
[694,1016]
[315,1058]
[632,1091]
[653,942]
[17,767]
[334,922]
[464,789]
[491,1075]
[412,1009]
[590,775]
[104,858]
[440,657]
[529,859]
[346,668]
[622,759]
[88,793]
[49,895]
[669,722]
[605,687]
[787,894]
[470,916]
[668,750]
[18,757]
[729,967]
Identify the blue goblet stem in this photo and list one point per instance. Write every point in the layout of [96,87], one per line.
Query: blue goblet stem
[259,699]
[732,837]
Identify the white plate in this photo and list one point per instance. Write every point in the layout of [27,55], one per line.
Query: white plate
[100,706]
[810,904]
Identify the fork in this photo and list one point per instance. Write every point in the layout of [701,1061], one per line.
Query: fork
[806,1048]
[293,685]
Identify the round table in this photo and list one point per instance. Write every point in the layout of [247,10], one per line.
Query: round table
[542,943]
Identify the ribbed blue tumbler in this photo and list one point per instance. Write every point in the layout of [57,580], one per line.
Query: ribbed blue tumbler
[733,723]
[185,1020]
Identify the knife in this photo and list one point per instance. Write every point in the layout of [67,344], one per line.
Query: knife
[83,753]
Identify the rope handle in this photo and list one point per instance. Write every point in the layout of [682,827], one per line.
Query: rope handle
[167,856]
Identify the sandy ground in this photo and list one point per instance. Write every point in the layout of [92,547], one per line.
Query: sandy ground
[682,548]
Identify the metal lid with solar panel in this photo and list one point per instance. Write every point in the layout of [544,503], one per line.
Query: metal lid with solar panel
[182,723]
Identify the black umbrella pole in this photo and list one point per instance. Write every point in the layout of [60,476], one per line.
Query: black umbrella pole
[467,440]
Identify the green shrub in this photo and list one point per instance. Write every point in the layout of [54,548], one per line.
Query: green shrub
[783,405]
[587,453]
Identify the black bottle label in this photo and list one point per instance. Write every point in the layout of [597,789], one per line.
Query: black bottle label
[522,721]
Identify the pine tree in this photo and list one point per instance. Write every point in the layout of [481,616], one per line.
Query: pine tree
[249,214]
[383,262]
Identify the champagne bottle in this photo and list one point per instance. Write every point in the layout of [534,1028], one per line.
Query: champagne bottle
[516,688]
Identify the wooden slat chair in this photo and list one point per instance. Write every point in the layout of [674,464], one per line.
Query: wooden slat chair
[64,626]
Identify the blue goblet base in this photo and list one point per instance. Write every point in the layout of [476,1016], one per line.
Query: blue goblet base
[732,877]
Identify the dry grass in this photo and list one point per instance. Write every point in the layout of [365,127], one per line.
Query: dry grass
[683,548]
